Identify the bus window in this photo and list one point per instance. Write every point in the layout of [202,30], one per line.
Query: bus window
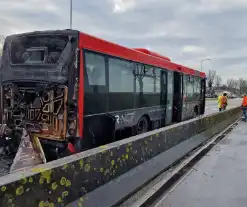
[157,88]
[95,69]
[197,88]
[95,87]
[121,85]
[148,86]
[188,85]
[33,49]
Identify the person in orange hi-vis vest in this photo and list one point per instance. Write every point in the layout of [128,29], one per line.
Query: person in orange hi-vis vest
[222,102]
[244,107]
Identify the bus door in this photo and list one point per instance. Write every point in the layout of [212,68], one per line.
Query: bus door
[178,97]
[169,97]
[202,96]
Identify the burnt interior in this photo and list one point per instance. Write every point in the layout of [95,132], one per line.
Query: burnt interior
[44,111]
[40,108]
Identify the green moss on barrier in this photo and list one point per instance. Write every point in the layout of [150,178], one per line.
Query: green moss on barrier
[63,181]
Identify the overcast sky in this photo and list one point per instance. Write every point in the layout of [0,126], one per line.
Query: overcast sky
[184,30]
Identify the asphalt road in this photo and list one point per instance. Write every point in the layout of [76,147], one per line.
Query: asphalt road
[218,179]
[212,105]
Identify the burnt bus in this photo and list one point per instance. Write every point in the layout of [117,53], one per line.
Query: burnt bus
[74,91]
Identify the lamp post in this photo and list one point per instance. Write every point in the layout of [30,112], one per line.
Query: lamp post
[202,62]
[71,5]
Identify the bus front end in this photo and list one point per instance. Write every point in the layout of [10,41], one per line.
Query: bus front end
[39,88]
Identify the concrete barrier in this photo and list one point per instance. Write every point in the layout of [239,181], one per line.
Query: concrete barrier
[105,175]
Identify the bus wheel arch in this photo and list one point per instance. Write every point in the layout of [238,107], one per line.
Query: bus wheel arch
[143,125]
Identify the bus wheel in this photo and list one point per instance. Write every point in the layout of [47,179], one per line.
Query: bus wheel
[142,125]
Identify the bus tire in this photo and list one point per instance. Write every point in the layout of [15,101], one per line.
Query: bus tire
[142,125]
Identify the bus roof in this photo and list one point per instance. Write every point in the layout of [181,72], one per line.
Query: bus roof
[138,54]
[144,50]
[99,45]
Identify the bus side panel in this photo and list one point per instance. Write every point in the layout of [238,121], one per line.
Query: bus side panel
[130,118]
[189,109]
[98,124]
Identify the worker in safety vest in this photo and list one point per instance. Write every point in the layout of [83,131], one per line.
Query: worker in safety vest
[244,107]
[222,102]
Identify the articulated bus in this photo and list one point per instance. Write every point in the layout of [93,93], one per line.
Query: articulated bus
[75,91]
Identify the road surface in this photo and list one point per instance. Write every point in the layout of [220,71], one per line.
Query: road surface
[212,105]
[218,180]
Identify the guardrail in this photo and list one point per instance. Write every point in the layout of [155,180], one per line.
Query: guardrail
[106,175]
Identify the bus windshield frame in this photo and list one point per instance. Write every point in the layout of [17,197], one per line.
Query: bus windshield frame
[53,46]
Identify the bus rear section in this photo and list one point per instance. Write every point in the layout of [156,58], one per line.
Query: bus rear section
[39,73]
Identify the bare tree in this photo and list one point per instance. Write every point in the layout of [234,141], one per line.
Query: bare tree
[230,83]
[211,78]
[242,85]
[241,81]
[235,85]
[218,80]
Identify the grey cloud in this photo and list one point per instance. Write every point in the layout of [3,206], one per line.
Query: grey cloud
[186,31]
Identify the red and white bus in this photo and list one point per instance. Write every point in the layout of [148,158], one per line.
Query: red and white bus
[72,89]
